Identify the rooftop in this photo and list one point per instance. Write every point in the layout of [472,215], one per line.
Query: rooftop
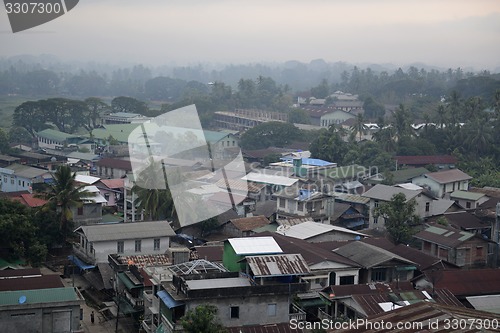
[277,265]
[131,230]
[309,229]
[55,135]
[38,296]
[448,176]
[115,163]
[471,282]
[250,223]
[26,171]
[218,283]
[368,255]
[405,175]
[448,237]
[254,245]
[386,192]
[269,179]
[466,195]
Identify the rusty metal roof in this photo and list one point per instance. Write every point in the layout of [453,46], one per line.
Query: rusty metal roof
[278,265]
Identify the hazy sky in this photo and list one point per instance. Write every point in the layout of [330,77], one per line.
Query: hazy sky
[447,33]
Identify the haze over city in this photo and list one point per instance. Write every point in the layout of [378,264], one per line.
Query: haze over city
[443,33]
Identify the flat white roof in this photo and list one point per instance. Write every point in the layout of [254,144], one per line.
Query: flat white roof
[310,229]
[410,186]
[86,179]
[269,179]
[255,245]
[218,283]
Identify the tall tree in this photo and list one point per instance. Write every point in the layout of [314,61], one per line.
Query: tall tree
[95,107]
[359,126]
[30,116]
[400,218]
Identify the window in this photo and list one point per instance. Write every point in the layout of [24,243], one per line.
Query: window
[282,203]
[375,220]
[378,274]
[12,180]
[137,245]
[349,279]
[376,203]
[80,211]
[19,182]
[271,310]
[234,143]
[119,247]
[5,179]
[235,312]
[427,207]
[467,204]
[300,206]
[156,244]
[443,253]
[479,251]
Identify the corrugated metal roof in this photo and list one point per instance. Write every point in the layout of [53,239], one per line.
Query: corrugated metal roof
[490,303]
[423,315]
[269,328]
[85,179]
[37,296]
[368,255]
[448,176]
[310,229]
[466,195]
[131,230]
[254,245]
[250,223]
[278,265]
[386,192]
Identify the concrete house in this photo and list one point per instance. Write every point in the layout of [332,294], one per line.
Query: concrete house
[335,117]
[112,191]
[17,177]
[384,193]
[460,248]
[98,241]
[443,183]
[294,203]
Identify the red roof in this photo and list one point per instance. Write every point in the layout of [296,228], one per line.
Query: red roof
[113,183]
[29,200]
[115,163]
[427,159]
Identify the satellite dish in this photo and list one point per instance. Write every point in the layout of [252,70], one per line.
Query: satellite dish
[22,299]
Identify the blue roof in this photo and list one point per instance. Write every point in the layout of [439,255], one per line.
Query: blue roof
[168,300]
[80,263]
[310,161]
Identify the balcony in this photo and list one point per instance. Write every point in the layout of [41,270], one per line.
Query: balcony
[136,302]
[169,326]
[297,314]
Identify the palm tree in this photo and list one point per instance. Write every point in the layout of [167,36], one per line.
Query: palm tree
[156,201]
[401,122]
[64,193]
[359,126]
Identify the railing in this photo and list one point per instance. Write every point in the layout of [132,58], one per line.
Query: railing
[147,325]
[323,315]
[297,314]
[148,296]
[171,327]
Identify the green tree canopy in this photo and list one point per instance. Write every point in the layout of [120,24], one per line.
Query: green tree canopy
[400,218]
[202,319]
[269,134]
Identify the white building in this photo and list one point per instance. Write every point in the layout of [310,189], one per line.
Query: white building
[98,241]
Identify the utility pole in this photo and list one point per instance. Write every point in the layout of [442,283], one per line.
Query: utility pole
[117,311]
